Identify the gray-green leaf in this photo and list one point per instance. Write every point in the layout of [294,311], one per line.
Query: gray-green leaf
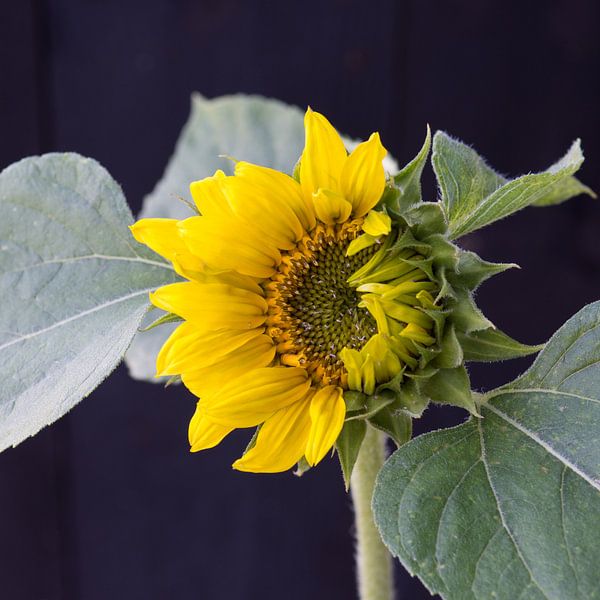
[74,286]
[491,344]
[508,506]
[474,196]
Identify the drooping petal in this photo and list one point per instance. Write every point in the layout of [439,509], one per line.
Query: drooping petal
[323,157]
[331,208]
[162,236]
[363,176]
[204,434]
[212,305]
[327,413]
[254,354]
[228,244]
[281,441]
[190,347]
[254,397]
[282,188]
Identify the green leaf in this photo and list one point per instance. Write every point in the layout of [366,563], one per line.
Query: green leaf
[492,344]
[463,176]
[473,200]
[74,286]
[408,181]
[348,446]
[566,189]
[395,423]
[450,386]
[508,506]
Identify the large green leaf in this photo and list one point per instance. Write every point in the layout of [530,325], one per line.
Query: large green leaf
[508,506]
[474,195]
[251,128]
[74,286]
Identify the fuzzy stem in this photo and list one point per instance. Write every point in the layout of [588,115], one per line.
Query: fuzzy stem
[373,561]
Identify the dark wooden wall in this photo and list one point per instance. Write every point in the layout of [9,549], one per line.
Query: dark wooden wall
[108,503]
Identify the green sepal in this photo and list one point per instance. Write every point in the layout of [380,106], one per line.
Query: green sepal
[451,386]
[355,401]
[408,395]
[296,170]
[444,252]
[348,446]
[426,219]
[302,467]
[253,439]
[488,345]
[168,318]
[173,380]
[451,353]
[407,182]
[395,423]
[472,270]
[465,314]
[364,406]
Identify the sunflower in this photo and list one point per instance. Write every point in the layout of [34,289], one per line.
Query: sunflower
[297,296]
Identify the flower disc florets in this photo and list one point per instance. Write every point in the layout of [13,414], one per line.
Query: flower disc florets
[314,313]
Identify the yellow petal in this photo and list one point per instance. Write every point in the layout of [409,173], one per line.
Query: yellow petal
[352,362]
[330,207]
[204,434]
[262,209]
[190,347]
[255,396]
[385,363]
[162,236]
[363,177]
[323,157]
[229,245]
[281,441]
[254,354]
[377,223]
[208,195]
[418,334]
[279,185]
[327,413]
[212,305]
[360,243]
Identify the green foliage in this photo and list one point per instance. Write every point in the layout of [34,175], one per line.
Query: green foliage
[74,286]
[348,446]
[508,505]
[474,195]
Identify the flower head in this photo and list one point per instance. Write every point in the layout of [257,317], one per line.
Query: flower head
[305,303]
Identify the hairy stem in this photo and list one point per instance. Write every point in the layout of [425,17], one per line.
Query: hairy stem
[373,561]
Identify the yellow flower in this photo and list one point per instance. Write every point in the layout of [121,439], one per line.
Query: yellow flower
[291,299]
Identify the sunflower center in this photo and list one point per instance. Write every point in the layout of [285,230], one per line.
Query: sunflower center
[313,312]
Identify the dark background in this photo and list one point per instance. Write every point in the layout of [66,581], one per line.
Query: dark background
[108,503]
